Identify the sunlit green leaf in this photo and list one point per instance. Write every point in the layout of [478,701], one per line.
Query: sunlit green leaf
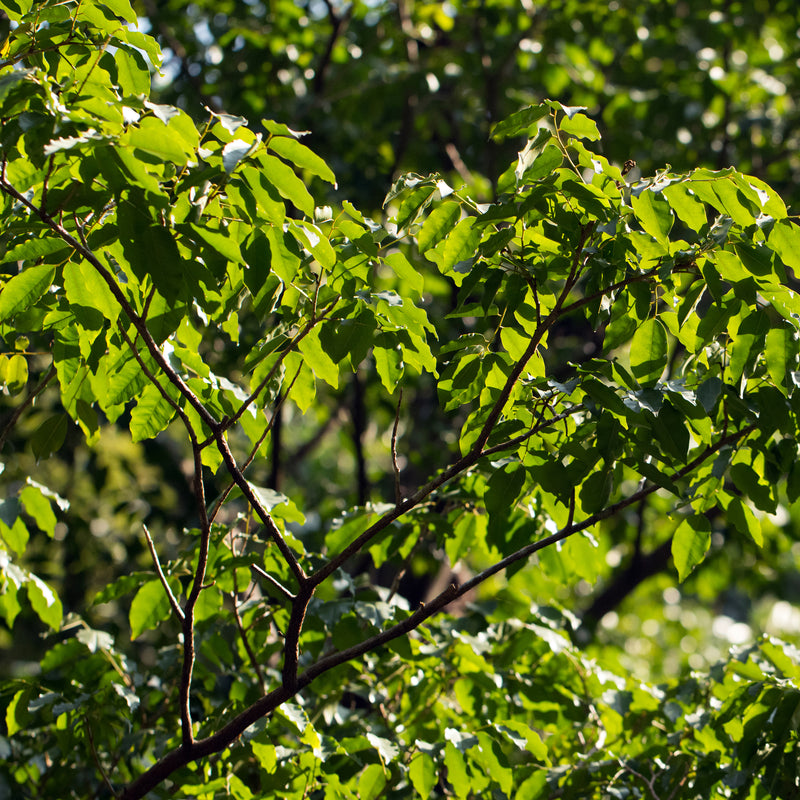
[24,289]
[654,214]
[649,351]
[149,607]
[690,543]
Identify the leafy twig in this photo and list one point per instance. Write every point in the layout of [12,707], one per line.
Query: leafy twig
[254,449]
[139,323]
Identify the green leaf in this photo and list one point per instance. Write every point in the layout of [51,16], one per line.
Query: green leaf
[457,775]
[14,373]
[524,737]
[422,773]
[24,289]
[320,362]
[49,436]
[32,249]
[413,204]
[405,270]
[151,251]
[468,532]
[13,531]
[735,203]
[581,127]
[388,357]
[277,504]
[649,352]
[86,289]
[284,261]
[690,543]
[301,156]
[133,74]
[520,123]
[654,214]
[317,244]
[45,602]
[17,715]
[744,520]
[687,206]
[595,491]
[38,506]
[460,244]
[536,162]
[502,492]
[781,355]
[438,224]
[165,142]
[371,782]
[671,432]
[127,379]
[150,607]
[290,187]
[151,414]
[221,241]
[352,336]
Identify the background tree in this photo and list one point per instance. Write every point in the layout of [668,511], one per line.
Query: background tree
[174,297]
[387,87]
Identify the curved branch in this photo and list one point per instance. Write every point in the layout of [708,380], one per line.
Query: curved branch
[267,704]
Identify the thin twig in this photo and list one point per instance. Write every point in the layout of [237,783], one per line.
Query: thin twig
[273,582]
[647,783]
[258,507]
[243,634]
[198,584]
[96,758]
[150,376]
[398,494]
[176,607]
[523,437]
[292,346]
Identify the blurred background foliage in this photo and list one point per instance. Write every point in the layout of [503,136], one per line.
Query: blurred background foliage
[389,87]
[386,87]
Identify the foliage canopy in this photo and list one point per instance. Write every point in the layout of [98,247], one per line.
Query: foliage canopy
[183,286]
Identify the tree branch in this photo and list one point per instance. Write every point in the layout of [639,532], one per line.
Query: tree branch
[267,704]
